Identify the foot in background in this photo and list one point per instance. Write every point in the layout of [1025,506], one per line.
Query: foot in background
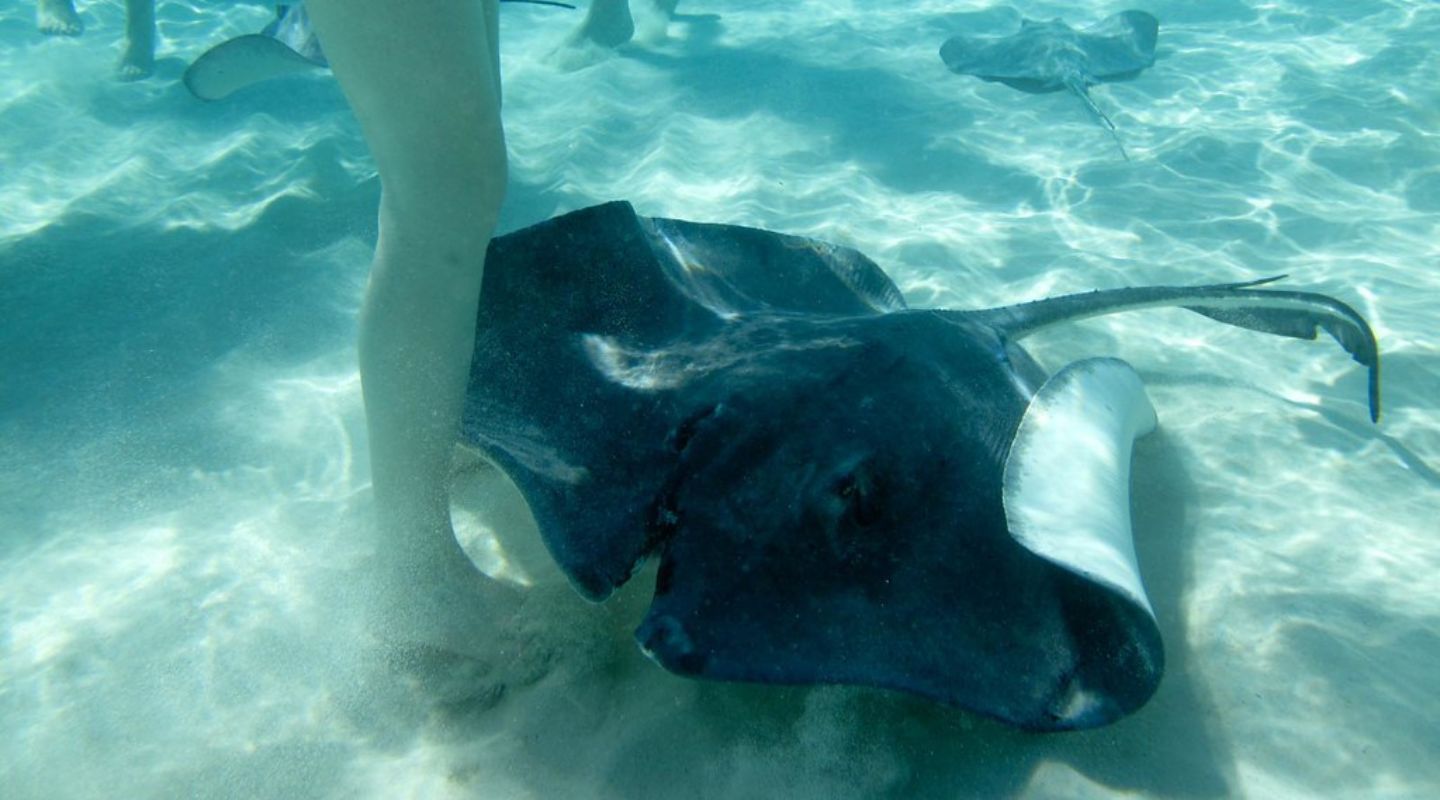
[138,60]
[58,18]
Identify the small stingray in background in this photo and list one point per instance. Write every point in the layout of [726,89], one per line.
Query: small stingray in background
[839,488]
[1050,56]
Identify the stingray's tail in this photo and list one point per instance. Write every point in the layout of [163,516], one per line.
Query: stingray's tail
[1301,315]
[1078,88]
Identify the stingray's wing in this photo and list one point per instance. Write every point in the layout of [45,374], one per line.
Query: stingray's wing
[592,328]
[1050,56]
[240,62]
[1067,500]
[286,46]
[555,398]
[734,269]
[650,281]
[1120,46]
[1301,315]
[1020,60]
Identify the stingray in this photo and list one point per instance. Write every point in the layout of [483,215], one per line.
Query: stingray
[839,489]
[288,45]
[1051,56]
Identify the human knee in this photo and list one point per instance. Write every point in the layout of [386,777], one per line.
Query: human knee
[453,198]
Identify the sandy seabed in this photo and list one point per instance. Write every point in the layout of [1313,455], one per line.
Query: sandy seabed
[184,498]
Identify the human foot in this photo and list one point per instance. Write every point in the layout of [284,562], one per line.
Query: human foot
[57,18]
[467,647]
[137,63]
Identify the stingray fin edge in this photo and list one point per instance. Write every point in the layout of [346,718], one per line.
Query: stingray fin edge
[1067,500]
[242,62]
[1067,476]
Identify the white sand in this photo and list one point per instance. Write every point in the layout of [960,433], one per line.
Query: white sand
[183,492]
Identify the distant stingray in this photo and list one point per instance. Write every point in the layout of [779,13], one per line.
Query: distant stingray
[839,488]
[1050,56]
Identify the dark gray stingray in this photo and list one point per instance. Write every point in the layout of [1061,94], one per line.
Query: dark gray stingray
[1051,56]
[840,489]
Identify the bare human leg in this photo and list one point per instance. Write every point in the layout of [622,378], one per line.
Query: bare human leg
[58,18]
[423,80]
[138,60]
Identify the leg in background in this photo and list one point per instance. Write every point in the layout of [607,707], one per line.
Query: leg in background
[138,60]
[58,18]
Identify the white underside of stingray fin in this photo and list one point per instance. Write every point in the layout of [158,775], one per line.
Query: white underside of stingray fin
[243,61]
[1067,478]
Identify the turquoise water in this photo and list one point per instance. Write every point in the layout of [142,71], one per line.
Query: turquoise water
[184,500]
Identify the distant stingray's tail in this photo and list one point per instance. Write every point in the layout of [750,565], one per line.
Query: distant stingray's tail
[1079,90]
